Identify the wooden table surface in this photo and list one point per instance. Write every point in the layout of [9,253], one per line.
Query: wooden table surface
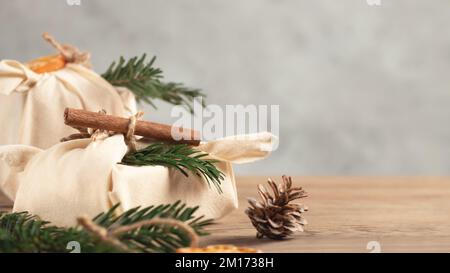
[401,214]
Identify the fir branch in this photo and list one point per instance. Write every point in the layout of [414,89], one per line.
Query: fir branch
[179,156]
[155,238]
[23,232]
[146,83]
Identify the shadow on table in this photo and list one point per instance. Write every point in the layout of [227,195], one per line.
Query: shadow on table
[250,240]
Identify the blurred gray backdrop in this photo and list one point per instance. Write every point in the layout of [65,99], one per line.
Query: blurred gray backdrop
[362,90]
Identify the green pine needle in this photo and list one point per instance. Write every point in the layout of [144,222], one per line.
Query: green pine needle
[179,156]
[23,232]
[146,83]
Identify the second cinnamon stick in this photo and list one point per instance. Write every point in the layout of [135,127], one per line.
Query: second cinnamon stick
[148,129]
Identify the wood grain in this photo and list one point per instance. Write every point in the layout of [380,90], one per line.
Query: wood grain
[404,214]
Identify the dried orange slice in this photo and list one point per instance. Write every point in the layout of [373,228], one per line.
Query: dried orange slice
[47,64]
[218,249]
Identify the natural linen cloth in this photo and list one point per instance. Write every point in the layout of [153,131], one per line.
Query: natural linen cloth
[32,105]
[83,177]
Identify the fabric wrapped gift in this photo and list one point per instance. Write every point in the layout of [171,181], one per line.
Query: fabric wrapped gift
[83,177]
[31,104]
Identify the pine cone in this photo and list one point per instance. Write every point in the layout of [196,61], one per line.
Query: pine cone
[274,217]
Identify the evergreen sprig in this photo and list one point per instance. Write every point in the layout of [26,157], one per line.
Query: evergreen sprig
[23,232]
[145,81]
[179,156]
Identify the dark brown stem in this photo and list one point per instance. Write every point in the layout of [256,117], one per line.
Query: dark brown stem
[148,129]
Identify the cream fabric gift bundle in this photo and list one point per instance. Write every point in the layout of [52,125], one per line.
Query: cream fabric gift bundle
[31,104]
[83,177]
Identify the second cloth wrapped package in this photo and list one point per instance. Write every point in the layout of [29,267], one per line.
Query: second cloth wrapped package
[86,176]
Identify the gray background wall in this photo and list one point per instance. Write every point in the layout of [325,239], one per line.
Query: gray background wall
[362,90]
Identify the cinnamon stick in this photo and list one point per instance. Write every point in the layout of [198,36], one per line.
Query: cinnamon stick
[148,129]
